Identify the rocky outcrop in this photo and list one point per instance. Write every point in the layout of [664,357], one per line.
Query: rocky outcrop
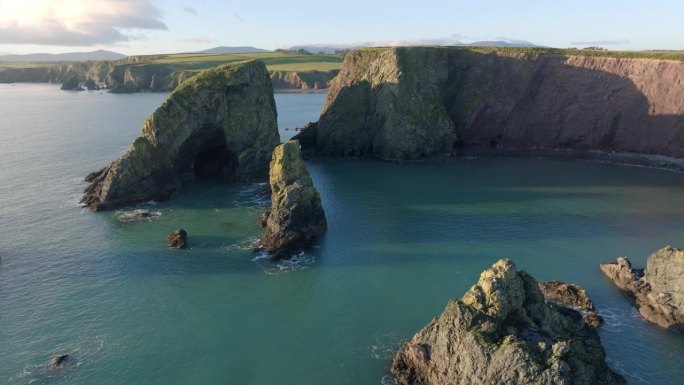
[72,84]
[418,102]
[178,239]
[573,296]
[302,80]
[503,332]
[296,217]
[657,291]
[221,122]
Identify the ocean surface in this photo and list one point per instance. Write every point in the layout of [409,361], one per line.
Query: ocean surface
[402,241]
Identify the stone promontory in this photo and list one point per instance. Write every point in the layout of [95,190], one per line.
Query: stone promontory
[503,332]
[221,122]
[657,291]
[408,103]
[296,216]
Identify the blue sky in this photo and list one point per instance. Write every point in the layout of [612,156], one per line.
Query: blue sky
[161,26]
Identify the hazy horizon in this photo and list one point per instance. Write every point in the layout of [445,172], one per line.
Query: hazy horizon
[169,26]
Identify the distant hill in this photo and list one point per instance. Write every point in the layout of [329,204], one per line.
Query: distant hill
[100,54]
[223,50]
[327,49]
[501,43]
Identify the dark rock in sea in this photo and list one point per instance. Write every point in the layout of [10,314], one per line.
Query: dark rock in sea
[178,239]
[417,102]
[221,122]
[573,296]
[502,331]
[72,84]
[58,361]
[296,217]
[139,215]
[657,291]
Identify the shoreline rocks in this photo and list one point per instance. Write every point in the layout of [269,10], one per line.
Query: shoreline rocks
[502,331]
[658,290]
[573,296]
[296,216]
[220,122]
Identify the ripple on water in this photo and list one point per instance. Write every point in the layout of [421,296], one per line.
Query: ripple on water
[81,354]
[300,261]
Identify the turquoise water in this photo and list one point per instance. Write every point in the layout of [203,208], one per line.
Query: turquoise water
[402,241]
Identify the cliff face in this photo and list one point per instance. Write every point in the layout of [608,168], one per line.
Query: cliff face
[410,103]
[130,75]
[503,332]
[222,121]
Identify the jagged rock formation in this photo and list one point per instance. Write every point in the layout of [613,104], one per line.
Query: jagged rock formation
[657,291]
[222,122]
[417,102]
[503,332]
[296,217]
[573,296]
[178,239]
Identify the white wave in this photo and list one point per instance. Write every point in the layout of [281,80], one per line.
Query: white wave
[300,261]
[385,346]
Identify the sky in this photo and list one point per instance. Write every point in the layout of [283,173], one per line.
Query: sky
[135,27]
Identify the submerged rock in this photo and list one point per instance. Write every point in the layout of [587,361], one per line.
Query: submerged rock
[178,239]
[221,122]
[58,361]
[296,217]
[139,215]
[503,332]
[657,291]
[573,296]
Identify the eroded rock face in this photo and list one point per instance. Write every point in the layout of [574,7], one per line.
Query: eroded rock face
[296,217]
[503,332]
[657,291]
[573,296]
[416,102]
[222,121]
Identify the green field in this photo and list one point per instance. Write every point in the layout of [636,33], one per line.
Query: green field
[274,61]
[4,65]
[662,55]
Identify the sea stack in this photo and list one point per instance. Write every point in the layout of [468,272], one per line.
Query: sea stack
[221,122]
[296,217]
[657,291]
[503,332]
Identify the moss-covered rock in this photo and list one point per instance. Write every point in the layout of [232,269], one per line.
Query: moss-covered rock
[222,121]
[296,217]
[503,332]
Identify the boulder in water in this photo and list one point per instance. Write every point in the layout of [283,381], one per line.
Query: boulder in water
[178,239]
[573,296]
[58,361]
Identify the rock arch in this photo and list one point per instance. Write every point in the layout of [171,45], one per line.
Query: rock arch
[222,121]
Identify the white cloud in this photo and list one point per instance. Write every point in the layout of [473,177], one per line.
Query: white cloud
[601,42]
[76,22]
[190,10]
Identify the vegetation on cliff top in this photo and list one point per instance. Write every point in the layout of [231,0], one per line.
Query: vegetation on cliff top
[660,55]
